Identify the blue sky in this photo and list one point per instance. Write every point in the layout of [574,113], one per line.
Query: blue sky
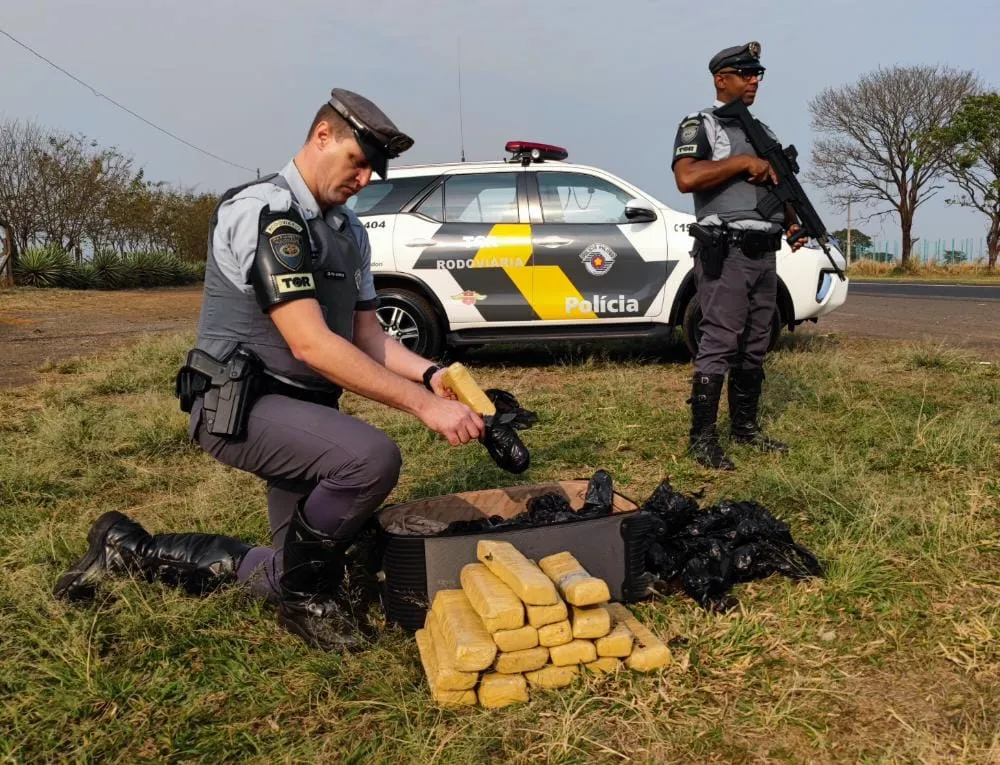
[609,81]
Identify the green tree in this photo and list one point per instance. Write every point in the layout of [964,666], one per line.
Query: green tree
[860,242]
[970,143]
[868,151]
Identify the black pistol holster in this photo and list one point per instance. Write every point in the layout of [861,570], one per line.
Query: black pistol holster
[712,248]
[229,388]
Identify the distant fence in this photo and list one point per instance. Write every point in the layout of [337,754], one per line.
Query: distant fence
[939,251]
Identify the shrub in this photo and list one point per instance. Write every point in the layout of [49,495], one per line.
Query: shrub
[42,267]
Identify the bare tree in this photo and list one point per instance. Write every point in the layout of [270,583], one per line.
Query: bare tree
[20,143]
[871,132]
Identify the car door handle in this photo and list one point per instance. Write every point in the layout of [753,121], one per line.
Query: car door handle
[420,243]
[553,241]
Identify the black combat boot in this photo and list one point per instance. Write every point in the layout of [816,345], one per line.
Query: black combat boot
[312,572]
[744,399]
[119,545]
[706,390]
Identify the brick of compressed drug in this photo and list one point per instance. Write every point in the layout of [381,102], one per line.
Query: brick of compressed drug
[575,585]
[520,639]
[648,652]
[590,622]
[447,678]
[555,634]
[497,690]
[463,384]
[428,660]
[617,643]
[551,676]
[494,601]
[469,644]
[527,581]
[539,616]
[517,662]
[573,652]
[603,665]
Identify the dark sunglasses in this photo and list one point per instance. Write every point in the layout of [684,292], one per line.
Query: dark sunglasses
[746,74]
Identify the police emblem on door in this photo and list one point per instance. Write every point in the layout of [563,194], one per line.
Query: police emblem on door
[598,259]
[287,248]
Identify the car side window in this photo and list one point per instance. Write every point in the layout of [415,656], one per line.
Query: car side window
[580,198]
[388,196]
[433,206]
[481,198]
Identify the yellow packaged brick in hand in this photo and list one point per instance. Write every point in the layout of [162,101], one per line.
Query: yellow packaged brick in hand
[590,622]
[539,616]
[457,378]
[649,652]
[427,659]
[497,691]
[575,585]
[574,652]
[494,601]
[516,640]
[447,678]
[555,634]
[552,677]
[522,661]
[527,581]
[464,633]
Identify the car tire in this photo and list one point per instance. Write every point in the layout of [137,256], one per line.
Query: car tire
[410,318]
[692,317]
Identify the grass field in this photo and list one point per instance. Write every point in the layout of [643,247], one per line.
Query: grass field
[964,273]
[893,481]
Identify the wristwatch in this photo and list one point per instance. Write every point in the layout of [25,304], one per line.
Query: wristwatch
[432,370]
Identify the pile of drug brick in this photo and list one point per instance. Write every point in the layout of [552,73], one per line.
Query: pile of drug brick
[516,624]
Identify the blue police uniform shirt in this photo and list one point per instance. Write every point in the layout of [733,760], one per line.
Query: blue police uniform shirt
[234,241]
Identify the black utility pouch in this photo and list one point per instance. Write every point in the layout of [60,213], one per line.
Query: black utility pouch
[229,387]
[712,248]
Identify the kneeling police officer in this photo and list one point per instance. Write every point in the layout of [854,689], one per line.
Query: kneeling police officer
[287,323]
[734,253]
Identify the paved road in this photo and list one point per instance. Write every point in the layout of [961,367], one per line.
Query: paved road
[961,291]
[966,317]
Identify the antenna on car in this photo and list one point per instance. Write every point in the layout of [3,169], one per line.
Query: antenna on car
[461,129]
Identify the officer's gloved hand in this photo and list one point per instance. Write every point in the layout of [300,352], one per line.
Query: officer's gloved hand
[500,437]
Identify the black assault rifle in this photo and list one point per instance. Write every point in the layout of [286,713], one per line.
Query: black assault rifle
[788,190]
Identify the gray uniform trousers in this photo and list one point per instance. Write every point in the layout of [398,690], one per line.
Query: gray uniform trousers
[343,467]
[736,312]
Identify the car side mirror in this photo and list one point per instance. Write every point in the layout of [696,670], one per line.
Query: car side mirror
[639,212]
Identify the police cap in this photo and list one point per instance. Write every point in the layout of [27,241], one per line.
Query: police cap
[377,135]
[738,57]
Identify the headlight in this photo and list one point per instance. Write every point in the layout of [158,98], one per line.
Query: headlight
[824,285]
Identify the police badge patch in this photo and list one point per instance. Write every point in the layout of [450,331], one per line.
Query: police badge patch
[288,249]
[689,130]
[598,259]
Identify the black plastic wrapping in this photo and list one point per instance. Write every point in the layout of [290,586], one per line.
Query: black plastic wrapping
[501,439]
[708,551]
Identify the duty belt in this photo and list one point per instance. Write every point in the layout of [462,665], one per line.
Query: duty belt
[754,243]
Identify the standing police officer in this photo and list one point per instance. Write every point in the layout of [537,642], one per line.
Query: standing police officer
[734,258]
[288,322]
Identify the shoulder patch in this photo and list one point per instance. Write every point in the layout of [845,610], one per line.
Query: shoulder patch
[287,243]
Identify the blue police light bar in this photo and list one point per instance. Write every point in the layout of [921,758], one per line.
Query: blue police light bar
[531,151]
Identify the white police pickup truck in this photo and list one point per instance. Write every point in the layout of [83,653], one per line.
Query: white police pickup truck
[538,249]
